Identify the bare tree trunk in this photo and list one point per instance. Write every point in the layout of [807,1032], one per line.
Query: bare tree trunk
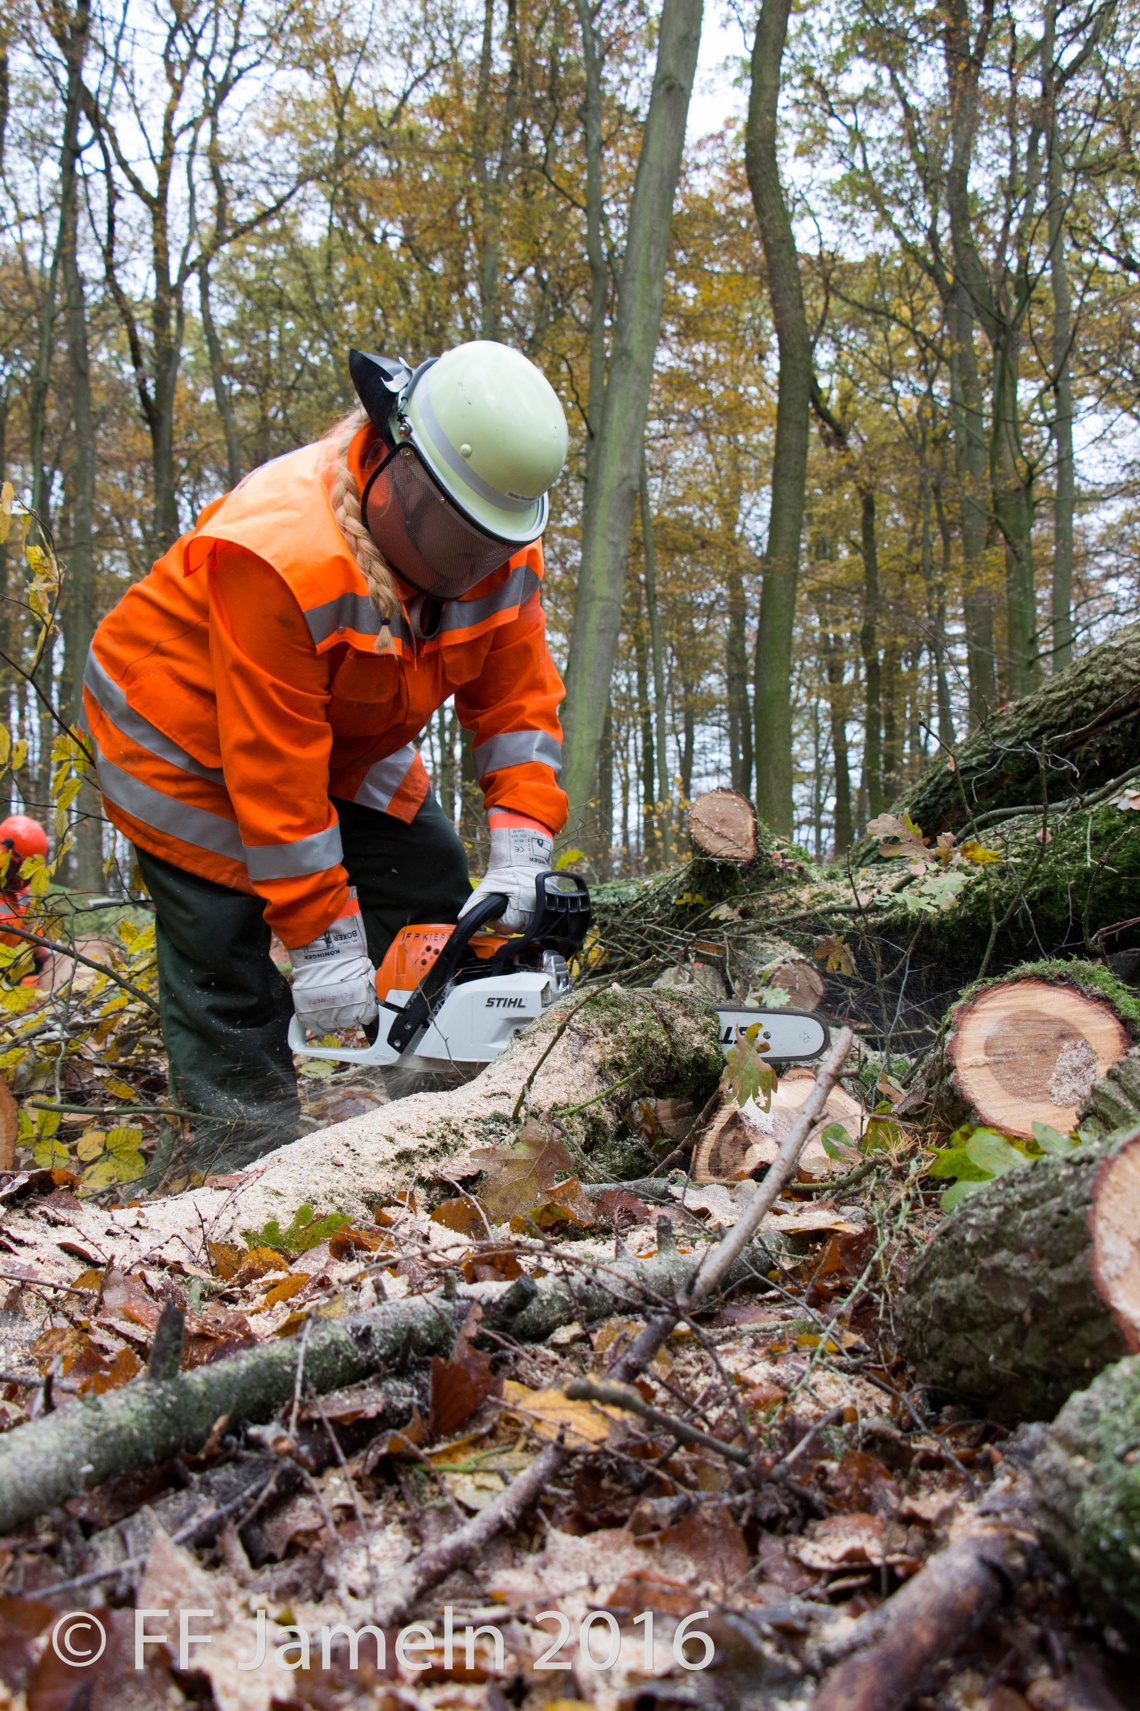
[872,789]
[1064,500]
[491,183]
[844,830]
[892,726]
[647,771]
[970,447]
[736,682]
[938,620]
[612,488]
[772,702]
[657,660]
[1013,514]
[222,395]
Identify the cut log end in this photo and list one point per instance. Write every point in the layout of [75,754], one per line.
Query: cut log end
[1114,1224]
[740,1142]
[722,824]
[1028,1051]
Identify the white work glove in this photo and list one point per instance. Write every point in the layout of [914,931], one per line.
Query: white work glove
[334,982]
[518,855]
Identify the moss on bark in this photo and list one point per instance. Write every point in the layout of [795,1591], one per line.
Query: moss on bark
[1114,1102]
[1000,1308]
[1086,1480]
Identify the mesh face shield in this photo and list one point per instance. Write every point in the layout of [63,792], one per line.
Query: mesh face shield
[424,538]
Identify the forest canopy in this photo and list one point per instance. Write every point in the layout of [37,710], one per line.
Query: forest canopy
[204,205]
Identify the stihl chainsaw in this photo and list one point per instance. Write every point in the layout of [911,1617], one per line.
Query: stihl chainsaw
[457,995]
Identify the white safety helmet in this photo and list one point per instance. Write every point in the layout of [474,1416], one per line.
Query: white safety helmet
[475,439]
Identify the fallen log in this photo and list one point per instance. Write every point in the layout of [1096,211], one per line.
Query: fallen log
[932,1616]
[1114,1103]
[722,824]
[1028,1051]
[1086,1483]
[1031,1285]
[64,1453]
[1079,732]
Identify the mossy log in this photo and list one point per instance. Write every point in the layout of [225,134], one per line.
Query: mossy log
[48,1460]
[1114,1103]
[1082,726]
[1032,1285]
[1086,1482]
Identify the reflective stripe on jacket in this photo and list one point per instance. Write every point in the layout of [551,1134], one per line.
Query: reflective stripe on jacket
[234,690]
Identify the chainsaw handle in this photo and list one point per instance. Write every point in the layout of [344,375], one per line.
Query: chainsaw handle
[416,1013]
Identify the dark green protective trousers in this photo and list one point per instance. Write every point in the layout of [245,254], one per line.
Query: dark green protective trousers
[226,1007]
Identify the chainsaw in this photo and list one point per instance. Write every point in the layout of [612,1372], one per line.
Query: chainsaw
[457,995]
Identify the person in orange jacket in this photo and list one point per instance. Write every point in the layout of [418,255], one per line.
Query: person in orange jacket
[253,705]
[20,838]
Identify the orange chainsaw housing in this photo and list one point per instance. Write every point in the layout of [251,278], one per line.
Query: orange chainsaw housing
[414,950]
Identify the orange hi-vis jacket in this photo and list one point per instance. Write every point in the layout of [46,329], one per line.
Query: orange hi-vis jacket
[235,689]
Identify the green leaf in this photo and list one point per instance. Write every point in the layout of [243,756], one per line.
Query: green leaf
[51,1154]
[952,1197]
[993,1153]
[568,859]
[956,1162]
[122,1142]
[836,1141]
[1051,1141]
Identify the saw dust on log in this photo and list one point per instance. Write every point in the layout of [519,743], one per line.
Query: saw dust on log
[722,824]
[1032,1285]
[1027,1051]
[741,1140]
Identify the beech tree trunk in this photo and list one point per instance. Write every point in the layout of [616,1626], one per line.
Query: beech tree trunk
[615,468]
[1031,1285]
[772,702]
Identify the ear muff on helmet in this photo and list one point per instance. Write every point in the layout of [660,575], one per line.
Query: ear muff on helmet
[379,382]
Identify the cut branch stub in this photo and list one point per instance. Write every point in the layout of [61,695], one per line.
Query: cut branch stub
[1028,1051]
[740,1141]
[722,824]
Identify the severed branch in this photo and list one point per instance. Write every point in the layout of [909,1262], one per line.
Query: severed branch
[931,1617]
[50,1459]
[462,1543]
[718,1262]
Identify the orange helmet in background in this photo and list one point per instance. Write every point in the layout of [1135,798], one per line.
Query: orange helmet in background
[22,837]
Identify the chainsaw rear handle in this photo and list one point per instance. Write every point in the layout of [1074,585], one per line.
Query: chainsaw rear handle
[416,1013]
[560,922]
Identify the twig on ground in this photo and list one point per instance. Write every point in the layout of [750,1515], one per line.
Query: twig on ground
[461,1544]
[719,1260]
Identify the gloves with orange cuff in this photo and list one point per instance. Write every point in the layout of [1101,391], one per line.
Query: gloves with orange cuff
[334,982]
[520,850]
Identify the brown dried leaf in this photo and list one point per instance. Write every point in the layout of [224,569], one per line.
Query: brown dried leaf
[462,1215]
[563,1204]
[519,1176]
[462,1383]
[487,1265]
[9,1126]
[225,1257]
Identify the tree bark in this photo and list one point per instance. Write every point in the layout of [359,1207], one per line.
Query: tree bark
[1027,1287]
[1064,492]
[736,683]
[1083,726]
[772,699]
[611,492]
[657,659]
[872,787]
[1084,1482]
